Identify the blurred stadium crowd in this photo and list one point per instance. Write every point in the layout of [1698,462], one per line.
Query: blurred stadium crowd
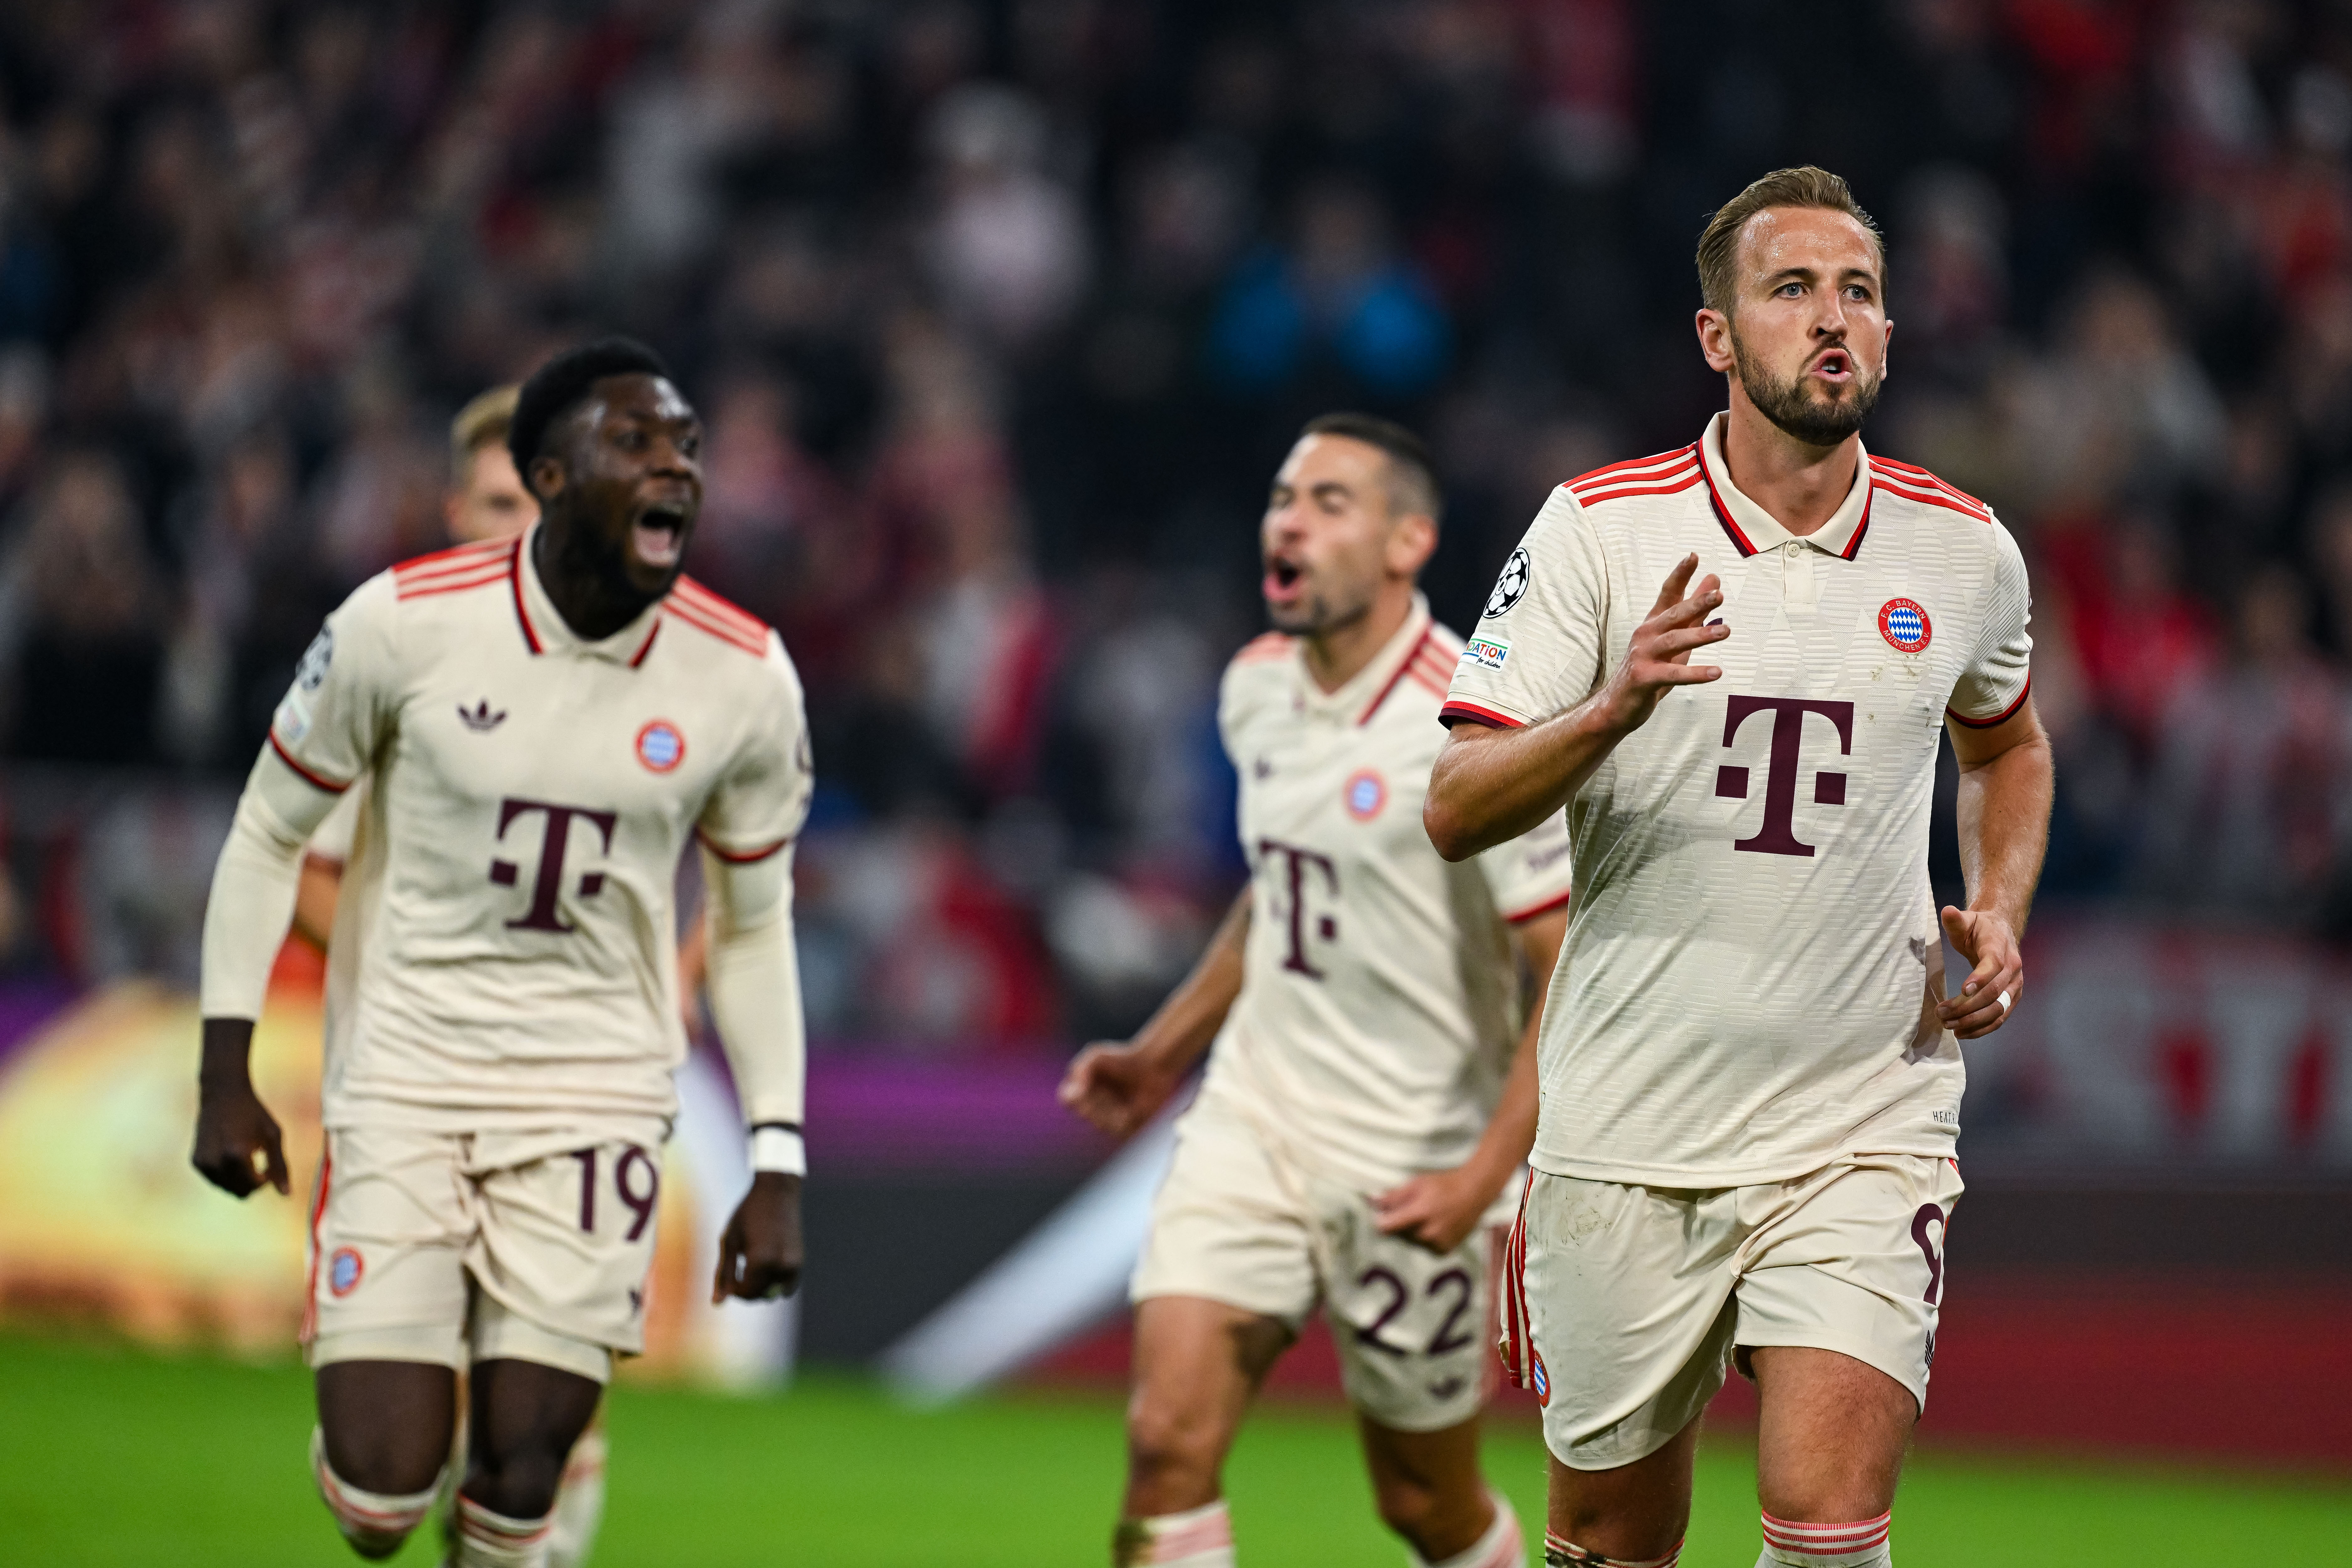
[1001,315]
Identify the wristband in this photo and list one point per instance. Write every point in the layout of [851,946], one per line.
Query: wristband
[777,1146]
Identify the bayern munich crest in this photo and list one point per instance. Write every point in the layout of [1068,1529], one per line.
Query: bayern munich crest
[344,1268]
[660,746]
[1539,1377]
[1904,625]
[1365,795]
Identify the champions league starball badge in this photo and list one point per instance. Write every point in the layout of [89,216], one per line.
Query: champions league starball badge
[1511,586]
[1905,625]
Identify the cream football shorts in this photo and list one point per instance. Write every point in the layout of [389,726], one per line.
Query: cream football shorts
[453,1248]
[1637,1300]
[1237,1222]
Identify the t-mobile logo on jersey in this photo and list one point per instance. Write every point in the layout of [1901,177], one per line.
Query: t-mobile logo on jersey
[548,886]
[1297,863]
[1778,836]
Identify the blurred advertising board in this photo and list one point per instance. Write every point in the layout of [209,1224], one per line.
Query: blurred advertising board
[102,1220]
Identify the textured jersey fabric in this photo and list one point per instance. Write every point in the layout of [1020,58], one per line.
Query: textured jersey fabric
[1748,987]
[505,951]
[1380,1002]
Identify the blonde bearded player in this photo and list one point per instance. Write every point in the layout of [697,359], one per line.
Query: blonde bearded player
[1751,1079]
[545,723]
[1368,1098]
[486,500]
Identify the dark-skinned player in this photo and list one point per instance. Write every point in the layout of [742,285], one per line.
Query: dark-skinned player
[547,721]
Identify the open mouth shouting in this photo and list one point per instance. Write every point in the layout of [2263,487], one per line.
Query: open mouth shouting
[1285,583]
[1834,366]
[657,534]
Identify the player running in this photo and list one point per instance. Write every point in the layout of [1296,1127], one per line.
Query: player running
[1369,1099]
[545,721]
[1752,1079]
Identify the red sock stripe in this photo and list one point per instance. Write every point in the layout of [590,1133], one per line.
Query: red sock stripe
[1187,1540]
[1555,1549]
[496,1529]
[1828,1540]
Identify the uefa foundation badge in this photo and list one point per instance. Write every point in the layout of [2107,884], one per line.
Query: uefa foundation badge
[344,1268]
[1905,625]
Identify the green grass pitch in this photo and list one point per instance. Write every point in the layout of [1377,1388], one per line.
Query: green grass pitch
[112,1457]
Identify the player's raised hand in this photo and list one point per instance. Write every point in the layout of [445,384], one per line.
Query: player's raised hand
[1117,1087]
[1658,658]
[760,1252]
[1437,1209]
[1984,1000]
[238,1146]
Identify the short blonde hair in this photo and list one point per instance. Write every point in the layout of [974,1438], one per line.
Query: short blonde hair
[482,423]
[1718,247]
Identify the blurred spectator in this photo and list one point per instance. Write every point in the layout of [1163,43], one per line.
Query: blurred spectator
[999,316]
[82,616]
[1339,291]
[2253,796]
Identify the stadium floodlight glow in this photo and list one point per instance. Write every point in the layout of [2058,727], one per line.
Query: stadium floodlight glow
[1061,1279]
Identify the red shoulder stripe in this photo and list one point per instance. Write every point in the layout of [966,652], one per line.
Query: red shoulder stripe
[480,549]
[1682,482]
[719,609]
[450,582]
[733,636]
[1268,645]
[1436,686]
[1938,482]
[1586,479]
[1933,498]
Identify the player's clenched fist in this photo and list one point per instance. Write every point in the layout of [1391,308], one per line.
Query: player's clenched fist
[234,1129]
[1118,1088]
[760,1252]
[1659,655]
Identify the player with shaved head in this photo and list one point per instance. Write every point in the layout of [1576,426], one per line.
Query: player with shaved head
[1370,1095]
[545,723]
[1729,665]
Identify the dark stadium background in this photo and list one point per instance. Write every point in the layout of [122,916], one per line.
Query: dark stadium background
[1001,315]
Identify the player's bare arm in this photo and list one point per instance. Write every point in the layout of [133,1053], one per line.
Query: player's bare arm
[1118,1086]
[2006,779]
[1439,1209]
[238,1146]
[1491,785]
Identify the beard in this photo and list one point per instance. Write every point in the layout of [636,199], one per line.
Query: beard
[1792,405]
[1317,612]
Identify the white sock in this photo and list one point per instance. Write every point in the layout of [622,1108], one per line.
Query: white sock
[1501,1547]
[487,1539]
[579,1503]
[373,1522]
[1559,1554]
[1197,1538]
[1860,1545]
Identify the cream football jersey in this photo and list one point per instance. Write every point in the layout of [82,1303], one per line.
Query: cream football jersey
[1380,999]
[505,953]
[1748,983]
